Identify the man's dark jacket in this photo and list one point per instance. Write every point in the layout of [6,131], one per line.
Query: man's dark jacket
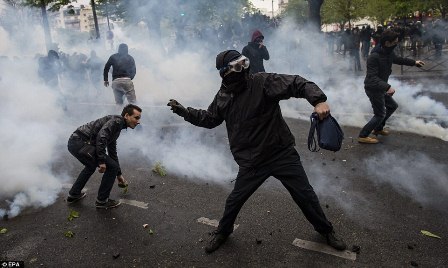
[379,68]
[255,125]
[122,63]
[256,56]
[103,133]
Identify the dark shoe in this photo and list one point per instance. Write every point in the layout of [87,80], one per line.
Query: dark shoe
[73,199]
[217,240]
[335,242]
[109,204]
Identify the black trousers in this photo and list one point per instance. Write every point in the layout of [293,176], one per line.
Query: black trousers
[289,170]
[383,107]
[75,143]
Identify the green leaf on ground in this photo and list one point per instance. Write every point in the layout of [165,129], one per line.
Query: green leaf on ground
[430,234]
[69,234]
[3,230]
[125,190]
[151,231]
[159,169]
[73,214]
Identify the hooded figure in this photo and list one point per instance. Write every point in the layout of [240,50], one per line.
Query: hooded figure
[377,88]
[49,68]
[256,51]
[259,138]
[123,72]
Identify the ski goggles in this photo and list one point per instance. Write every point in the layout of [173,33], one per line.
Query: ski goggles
[239,64]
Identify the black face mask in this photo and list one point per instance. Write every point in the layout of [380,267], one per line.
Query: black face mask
[235,81]
[389,50]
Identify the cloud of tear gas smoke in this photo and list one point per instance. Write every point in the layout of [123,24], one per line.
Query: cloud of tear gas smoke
[415,175]
[28,135]
[305,54]
[36,134]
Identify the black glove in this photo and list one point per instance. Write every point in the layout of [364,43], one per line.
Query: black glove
[177,108]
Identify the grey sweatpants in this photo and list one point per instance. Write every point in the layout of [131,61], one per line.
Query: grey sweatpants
[124,87]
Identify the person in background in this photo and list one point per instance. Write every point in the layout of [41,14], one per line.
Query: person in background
[256,52]
[123,72]
[379,67]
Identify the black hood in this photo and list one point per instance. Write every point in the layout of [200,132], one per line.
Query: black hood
[123,49]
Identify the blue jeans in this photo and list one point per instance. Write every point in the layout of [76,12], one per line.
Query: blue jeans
[75,143]
[383,107]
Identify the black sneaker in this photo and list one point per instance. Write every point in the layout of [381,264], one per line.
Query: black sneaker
[72,199]
[216,241]
[333,241]
[109,204]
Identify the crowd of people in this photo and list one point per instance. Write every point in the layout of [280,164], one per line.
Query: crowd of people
[417,37]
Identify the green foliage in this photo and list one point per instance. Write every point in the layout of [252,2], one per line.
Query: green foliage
[69,234]
[159,169]
[73,214]
[298,10]
[3,230]
[202,12]
[54,5]
[342,11]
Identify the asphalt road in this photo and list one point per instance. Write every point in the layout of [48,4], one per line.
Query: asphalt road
[377,215]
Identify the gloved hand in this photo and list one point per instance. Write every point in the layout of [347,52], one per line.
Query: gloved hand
[177,108]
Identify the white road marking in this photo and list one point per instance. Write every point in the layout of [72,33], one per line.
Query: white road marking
[324,249]
[134,203]
[213,223]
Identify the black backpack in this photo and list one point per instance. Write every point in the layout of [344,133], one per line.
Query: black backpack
[329,134]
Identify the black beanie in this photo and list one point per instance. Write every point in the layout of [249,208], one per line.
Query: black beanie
[223,58]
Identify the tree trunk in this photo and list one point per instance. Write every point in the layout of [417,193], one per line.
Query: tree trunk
[95,19]
[48,41]
[314,14]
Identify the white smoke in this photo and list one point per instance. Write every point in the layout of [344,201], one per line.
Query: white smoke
[417,176]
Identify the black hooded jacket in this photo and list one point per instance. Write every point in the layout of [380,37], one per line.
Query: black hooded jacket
[379,68]
[122,63]
[256,56]
[255,125]
[103,133]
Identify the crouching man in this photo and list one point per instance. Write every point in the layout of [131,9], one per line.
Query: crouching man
[102,134]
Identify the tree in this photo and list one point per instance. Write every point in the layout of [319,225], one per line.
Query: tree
[343,11]
[298,10]
[54,5]
[314,14]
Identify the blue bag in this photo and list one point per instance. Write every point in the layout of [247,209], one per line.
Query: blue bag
[329,134]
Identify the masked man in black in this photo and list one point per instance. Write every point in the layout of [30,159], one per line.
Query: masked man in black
[379,68]
[260,140]
[102,134]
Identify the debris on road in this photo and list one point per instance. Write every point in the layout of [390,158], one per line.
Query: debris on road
[430,234]
[3,230]
[116,255]
[73,214]
[356,249]
[159,169]
[151,231]
[145,225]
[411,246]
[152,186]
[69,234]
[258,241]
[413,263]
